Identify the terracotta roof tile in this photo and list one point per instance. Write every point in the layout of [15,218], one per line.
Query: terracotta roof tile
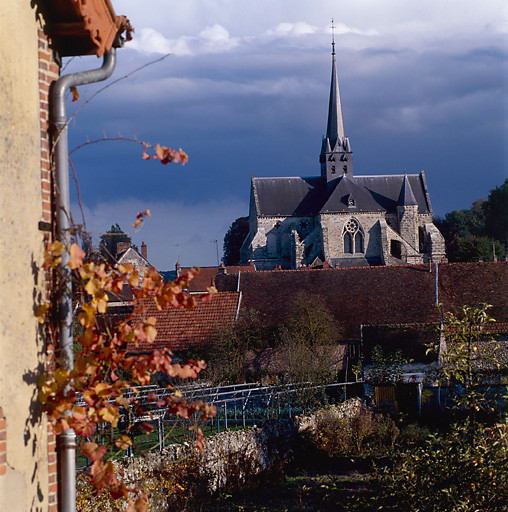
[376,295]
[178,329]
[207,275]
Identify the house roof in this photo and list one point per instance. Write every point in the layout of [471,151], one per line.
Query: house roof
[285,197]
[130,252]
[178,329]
[376,295]
[206,275]
[83,28]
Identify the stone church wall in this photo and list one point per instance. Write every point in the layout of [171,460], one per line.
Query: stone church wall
[271,244]
[295,241]
[334,225]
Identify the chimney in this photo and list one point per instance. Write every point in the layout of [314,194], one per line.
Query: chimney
[144,251]
[121,247]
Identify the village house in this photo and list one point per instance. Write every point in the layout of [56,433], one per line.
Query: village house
[364,298]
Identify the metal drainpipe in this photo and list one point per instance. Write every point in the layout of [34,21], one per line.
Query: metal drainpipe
[436,286]
[67,440]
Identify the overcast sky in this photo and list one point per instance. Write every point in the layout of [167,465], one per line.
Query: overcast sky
[244,91]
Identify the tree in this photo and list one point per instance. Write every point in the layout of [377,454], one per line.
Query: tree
[308,339]
[474,248]
[470,233]
[470,354]
[227,357]
[463,469]
[110,240]
[234,239]
[496,213]
[386,369]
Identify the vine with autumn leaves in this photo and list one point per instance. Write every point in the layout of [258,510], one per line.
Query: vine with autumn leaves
[104,376]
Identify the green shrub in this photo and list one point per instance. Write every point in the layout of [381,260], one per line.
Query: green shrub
[364,433]
[179,487]
[465,470]
[413,435]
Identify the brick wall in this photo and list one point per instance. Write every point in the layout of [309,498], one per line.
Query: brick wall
[49,71]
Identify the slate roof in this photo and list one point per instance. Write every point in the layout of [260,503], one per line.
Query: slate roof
[285,197]
[178,329]
[376,295]
[406,197]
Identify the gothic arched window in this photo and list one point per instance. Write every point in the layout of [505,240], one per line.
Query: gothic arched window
[353,237]
[348,243]
[359,242]
[271,244]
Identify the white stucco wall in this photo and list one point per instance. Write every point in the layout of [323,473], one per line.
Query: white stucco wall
[24,486]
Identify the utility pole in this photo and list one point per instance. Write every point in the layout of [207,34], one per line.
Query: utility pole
[216,242]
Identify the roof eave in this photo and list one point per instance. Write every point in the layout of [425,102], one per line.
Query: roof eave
[83,28]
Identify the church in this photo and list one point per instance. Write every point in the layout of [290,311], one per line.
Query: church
[340,219]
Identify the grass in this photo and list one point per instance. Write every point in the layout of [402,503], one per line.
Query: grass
[326,492]
[142,443]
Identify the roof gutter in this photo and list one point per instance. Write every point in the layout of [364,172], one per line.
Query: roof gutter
[67,440]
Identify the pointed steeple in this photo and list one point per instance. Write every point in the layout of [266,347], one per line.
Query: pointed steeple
[406,196]
[336,157]
[335,125]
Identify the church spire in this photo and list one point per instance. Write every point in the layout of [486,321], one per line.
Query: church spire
[336,157]
[335,125]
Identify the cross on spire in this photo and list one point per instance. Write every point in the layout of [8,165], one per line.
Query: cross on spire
[333,38]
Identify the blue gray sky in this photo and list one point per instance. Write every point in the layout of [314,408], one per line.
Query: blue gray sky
[244,91]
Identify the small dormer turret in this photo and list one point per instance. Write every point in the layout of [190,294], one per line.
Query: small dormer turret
[407,214]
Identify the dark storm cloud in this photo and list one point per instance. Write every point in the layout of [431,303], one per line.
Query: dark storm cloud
[259,107]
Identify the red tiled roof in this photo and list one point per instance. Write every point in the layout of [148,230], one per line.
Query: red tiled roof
[376,295]
[178,329]
[497,328]
[206,276]
[235,269]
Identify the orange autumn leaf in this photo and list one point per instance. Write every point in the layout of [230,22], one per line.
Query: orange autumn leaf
[102,389]
[76,256]
[75,94]
[40,312]
[87,315]
[109,414]
[123,442]
[150,330]
[138,506]
[93,451]
[140,218]
[200,445]
[53,254]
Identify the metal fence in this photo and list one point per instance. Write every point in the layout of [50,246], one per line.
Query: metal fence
[242,405]
[238,405]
